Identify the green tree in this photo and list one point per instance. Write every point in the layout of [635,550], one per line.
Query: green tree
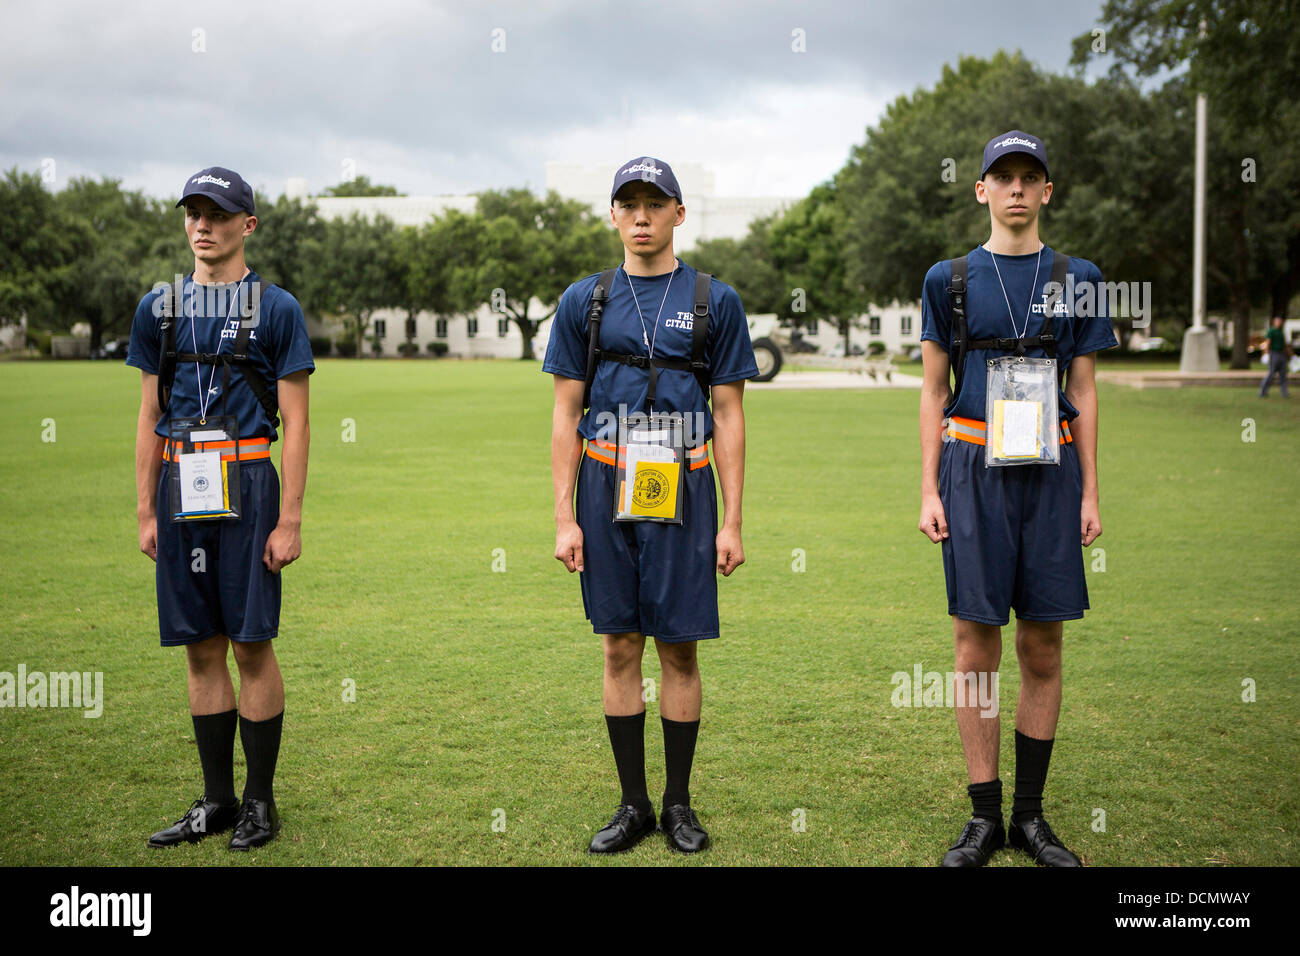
[746,265]
[528,249]
[361,271]
[135,242]
[909,197]
[361,186]
[1245,56]
[39,248]
[805,248]
[286,248]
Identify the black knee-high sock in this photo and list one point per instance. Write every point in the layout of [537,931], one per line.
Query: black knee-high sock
[627,738]
[986,799]
[1032,758]
[261,739]
[215,735]
[679,752]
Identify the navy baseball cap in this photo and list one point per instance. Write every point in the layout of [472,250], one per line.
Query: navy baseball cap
[225,187]
[1014,141]
[647,170]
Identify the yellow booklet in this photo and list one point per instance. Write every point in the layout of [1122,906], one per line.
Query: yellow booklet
[654,490]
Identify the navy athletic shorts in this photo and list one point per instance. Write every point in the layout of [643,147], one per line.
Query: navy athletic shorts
[226,589]
[645,576]
[1013,537]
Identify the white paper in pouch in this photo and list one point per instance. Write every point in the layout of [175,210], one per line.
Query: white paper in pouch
[1020,429]
[201,488]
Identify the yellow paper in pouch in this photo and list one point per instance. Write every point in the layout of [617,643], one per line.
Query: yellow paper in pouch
[1016,427]
[654,489]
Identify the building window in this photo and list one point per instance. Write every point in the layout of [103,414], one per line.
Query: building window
[810,325]
[503,328]
[410,327]
[874,325]
[440,329]
[905,325]
[381,329]
[471,327]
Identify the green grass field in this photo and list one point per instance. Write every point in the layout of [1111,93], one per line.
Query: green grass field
[479,691]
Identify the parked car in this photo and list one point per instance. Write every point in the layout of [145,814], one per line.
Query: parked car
[112,349]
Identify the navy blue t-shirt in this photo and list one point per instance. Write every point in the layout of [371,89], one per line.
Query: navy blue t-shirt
[987,317]
[208,320]
[728,351]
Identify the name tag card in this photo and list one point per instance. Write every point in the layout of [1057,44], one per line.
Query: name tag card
[650,476]
[205,469]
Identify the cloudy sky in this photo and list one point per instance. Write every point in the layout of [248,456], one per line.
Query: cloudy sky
[441,97]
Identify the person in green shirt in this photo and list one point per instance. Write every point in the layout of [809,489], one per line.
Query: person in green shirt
[1278,355]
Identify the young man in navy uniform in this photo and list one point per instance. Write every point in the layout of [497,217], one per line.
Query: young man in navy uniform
[1010,535]
[644,578]
[218,581]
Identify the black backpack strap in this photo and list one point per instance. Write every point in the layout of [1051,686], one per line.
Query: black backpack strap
[171,297]
[239,357]
[1055,293]
[700,332]
[599,296]
[960,343]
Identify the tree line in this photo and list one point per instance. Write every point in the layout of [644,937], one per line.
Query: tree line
[1121,154]
[88,253]
[1120,147]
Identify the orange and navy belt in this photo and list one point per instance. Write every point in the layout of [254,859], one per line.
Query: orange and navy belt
[604,451]
[250,449]
[972,430]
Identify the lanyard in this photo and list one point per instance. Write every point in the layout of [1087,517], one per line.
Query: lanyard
[1032,291]
[650,340]
[205,398]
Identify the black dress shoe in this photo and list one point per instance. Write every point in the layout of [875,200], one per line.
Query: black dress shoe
[628,828]
[1036,838]
[203,817]
[682,829]
[979,840]
[258,823]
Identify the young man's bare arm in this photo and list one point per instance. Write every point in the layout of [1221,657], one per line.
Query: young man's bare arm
[148,464]
[729,460]
[566,454]
[284,543]
[935,395]
[1081,390]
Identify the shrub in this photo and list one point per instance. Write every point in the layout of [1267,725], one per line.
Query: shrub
[40,340]
[320,346]
[438,349]
[346,347]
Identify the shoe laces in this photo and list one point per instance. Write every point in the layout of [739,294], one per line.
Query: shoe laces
[624,813]
[188,813]
[1046,831]
[969,836]
[689,817]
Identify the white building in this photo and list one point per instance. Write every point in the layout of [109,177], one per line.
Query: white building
[490,334]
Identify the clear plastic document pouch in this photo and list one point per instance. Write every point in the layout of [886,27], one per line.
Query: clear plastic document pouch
[1022,418]
[651,468]
[205,469]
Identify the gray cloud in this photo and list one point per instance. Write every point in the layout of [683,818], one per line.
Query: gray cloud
[414,94]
